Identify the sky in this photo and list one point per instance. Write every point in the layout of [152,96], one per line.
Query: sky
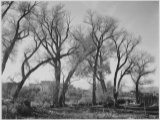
[139,18]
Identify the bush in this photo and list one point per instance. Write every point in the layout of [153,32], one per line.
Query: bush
[121,101]
[34,104]
[43,97]
[24,110]
[109,102]
[9,110]
[46,105]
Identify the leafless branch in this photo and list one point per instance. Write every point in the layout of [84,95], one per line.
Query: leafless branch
[8,7]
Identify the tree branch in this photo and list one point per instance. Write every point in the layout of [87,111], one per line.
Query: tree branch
[5,11]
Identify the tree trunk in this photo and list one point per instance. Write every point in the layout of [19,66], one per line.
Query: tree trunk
[70,74]
[94,78]
[24,77]
[62,100]
[57,77]
[103,85]
[6,56]
[115,98]
[10,48]
[62,97]
[19,87]
[115,90]
[137,94]
[137,90]
[94,91]
[5,11]
[66,84]
[115,83]
[63,92]
[118,87]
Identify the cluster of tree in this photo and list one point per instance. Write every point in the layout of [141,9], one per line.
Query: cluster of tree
[88,49]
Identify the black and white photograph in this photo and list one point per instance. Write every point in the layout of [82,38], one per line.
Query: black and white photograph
[79,59]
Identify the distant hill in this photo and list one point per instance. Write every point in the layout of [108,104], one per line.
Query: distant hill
[151,89]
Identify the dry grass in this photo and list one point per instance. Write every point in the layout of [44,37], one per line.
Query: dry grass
[68,113]
[83,113]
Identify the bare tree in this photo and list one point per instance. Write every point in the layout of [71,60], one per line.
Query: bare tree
[7,5]
[104,65]
[124,44]
[101,29]
[54,26]
[126,70]
[18,30]
[142,62]
[26,68]
[85,48]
